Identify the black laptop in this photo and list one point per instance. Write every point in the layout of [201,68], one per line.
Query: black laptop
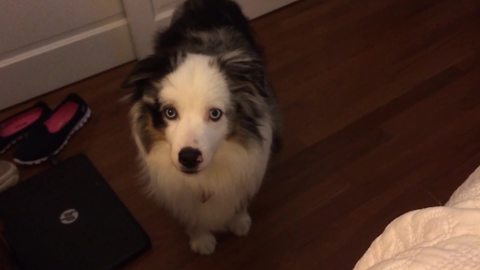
[69,218]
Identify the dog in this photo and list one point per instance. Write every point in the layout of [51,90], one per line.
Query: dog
[204,119]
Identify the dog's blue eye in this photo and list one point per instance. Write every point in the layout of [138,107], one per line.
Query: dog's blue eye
[215,114]
[170,113]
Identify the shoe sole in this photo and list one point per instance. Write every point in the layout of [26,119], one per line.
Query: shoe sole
[79,125]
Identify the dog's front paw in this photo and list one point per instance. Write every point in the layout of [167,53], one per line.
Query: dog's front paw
[240,224]
[203,244]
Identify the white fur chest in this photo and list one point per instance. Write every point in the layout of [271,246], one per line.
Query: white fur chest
[208,199]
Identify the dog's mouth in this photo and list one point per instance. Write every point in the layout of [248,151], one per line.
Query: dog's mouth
[190,171]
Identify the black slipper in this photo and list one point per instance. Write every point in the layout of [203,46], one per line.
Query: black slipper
[50,138]
[15,127]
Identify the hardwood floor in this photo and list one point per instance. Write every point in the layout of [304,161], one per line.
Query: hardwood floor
[381,106]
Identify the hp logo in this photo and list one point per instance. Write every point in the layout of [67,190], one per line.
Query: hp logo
[69,216]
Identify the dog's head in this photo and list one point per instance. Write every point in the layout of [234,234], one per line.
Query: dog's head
[195,102]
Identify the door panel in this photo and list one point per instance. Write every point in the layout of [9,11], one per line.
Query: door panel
[57,64]
[48,44]
[32,21]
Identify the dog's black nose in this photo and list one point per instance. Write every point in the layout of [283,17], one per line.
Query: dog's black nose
[190,157]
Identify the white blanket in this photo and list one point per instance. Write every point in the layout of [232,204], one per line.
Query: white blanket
[436,238]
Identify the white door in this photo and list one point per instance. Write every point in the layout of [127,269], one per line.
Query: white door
[47,44]
[148,16]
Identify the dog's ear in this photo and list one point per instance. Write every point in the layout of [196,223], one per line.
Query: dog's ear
[244,72]
[152,67]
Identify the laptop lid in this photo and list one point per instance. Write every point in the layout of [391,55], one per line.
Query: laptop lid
[69,218]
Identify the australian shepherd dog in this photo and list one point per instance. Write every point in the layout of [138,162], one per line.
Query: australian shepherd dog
[204,119]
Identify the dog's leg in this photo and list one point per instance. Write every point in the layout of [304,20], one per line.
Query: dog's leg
[240,223]
[202,241]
